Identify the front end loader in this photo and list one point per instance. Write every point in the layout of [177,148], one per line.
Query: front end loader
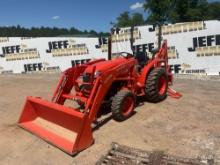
[69,128]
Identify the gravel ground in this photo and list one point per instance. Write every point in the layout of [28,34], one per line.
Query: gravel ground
[189,127]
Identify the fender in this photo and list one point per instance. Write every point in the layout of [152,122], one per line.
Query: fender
[161,56]
[145,71]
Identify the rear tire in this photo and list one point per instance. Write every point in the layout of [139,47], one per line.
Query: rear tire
[123,104]
[156,85]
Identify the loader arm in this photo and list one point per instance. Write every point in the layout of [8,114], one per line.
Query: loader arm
[68,81]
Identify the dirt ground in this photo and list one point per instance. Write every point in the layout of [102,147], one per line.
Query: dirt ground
[188,127]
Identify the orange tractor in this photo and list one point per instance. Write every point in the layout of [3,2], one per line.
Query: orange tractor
[115,83]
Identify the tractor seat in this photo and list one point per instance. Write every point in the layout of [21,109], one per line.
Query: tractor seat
[142,58]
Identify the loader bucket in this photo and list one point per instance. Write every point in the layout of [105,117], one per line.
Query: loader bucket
[61,126]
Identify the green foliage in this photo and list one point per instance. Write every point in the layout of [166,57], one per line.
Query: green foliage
[18,31]
[172,11]
[126,19]
[123,20]
[158,10]
[213,11]
[181,10]
[189,10]
[137,19]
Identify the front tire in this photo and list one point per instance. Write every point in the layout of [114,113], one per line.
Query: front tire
[156,85]
[123,104]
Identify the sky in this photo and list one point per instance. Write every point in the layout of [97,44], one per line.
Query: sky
[82,14]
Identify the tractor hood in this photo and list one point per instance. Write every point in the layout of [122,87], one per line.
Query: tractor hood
[106,65]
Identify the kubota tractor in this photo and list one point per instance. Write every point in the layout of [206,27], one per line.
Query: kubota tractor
[115,83]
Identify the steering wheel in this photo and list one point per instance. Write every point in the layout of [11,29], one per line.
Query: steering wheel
[126,54]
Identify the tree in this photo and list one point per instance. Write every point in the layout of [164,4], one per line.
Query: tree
[126,19]
[137,19]
[213,11]
[174,11]
[18,31]
[179,13]
[123,20]
[158,10]
[180,10]
[189,10]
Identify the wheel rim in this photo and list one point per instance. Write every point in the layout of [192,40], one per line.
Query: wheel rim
[128,106]
[162,84]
